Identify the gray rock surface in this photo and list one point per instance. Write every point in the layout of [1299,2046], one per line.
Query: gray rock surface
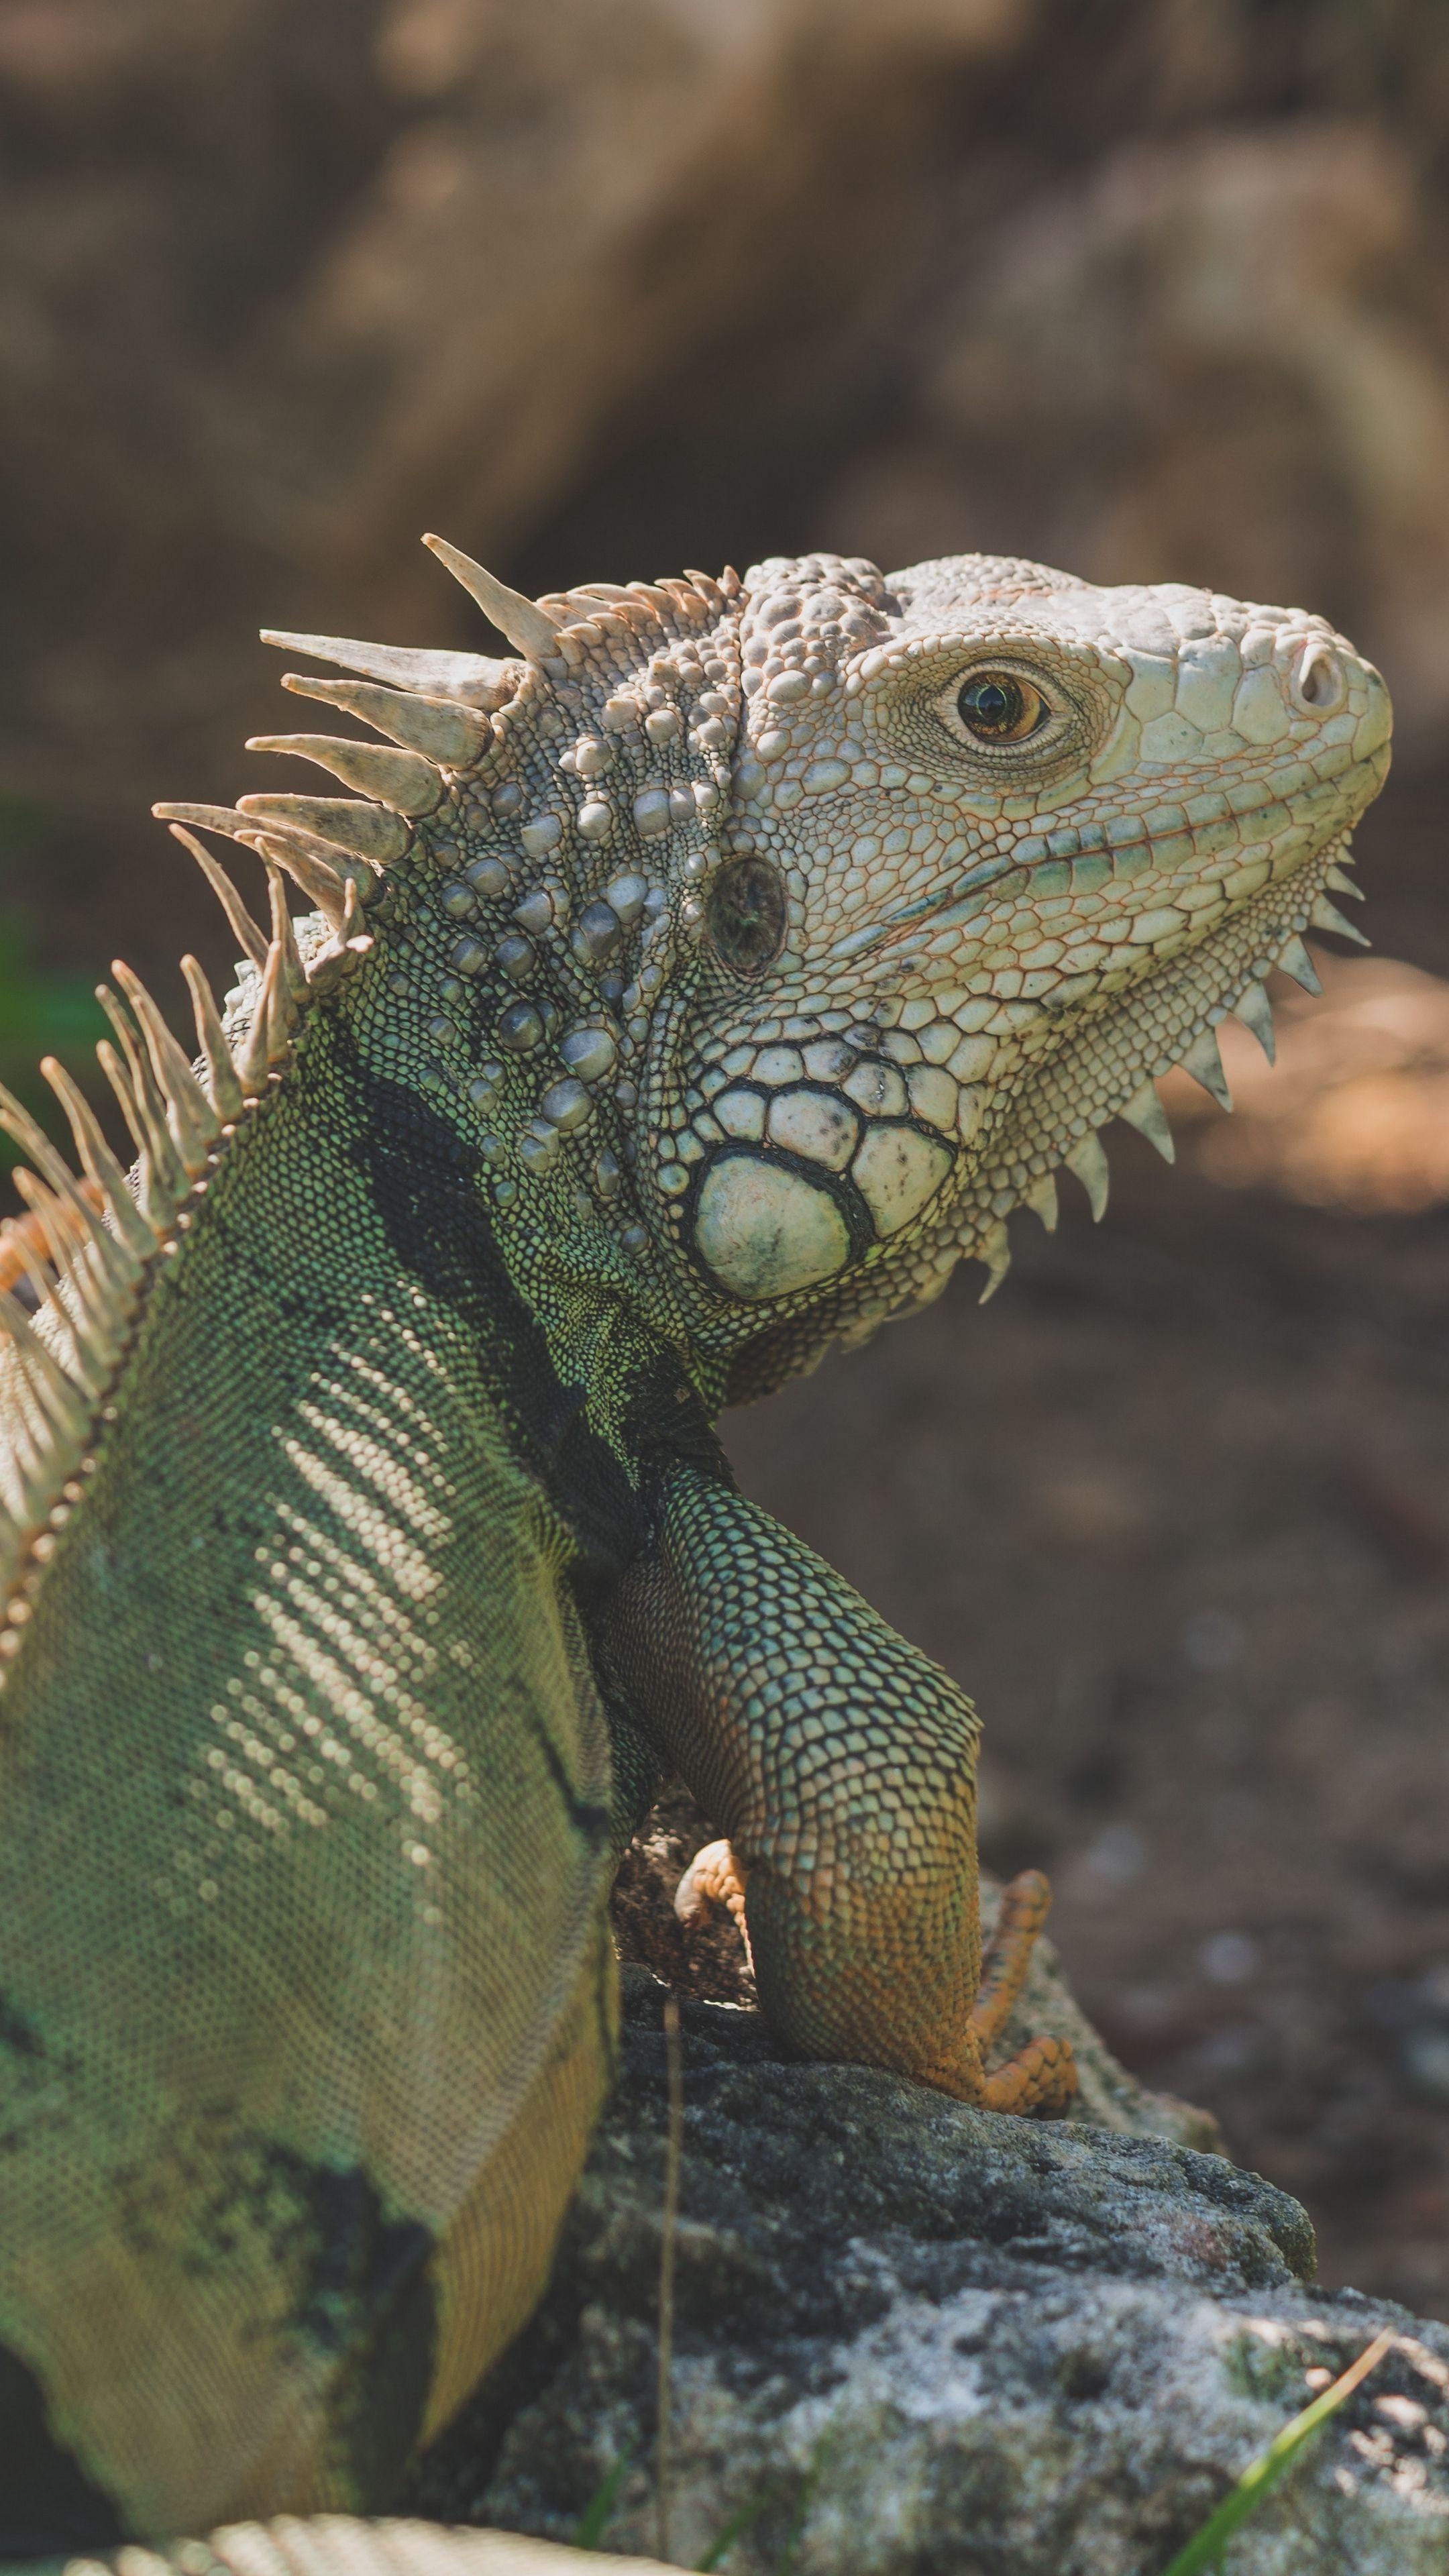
[910,2335]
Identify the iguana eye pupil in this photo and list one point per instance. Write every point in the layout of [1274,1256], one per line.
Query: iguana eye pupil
[747,915]
[998,707]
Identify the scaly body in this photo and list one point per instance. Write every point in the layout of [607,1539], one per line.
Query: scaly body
[686,993]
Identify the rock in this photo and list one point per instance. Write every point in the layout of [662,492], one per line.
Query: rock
[912,2335]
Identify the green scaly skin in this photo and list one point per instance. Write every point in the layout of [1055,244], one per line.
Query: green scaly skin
[726,970]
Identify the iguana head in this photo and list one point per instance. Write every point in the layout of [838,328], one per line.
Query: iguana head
[772,941]
[1003,846]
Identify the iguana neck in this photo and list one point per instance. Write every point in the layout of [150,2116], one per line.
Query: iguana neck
[468,1175]
[537,944]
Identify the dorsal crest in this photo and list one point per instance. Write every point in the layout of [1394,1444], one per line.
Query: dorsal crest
[493,805]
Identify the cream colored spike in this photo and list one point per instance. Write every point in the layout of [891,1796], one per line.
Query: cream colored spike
[455,736]
[1089,1162]
[327,966]
[221,1081]
[1205,1064]
[527,626]
[72,1293]
[401,780]
[1041,1198]
[55,1391]
[369,830]
[687,601]
[168,1170]
[68,1287]
[294,973]
[330,857]
[129,1240]
[283,1010]
[72,1287]
[1255,1011]
[1295,961]
[994,1251]
[247,933]
[475,677]
[326,889]
[267,1039]
[195,1127]
[1340,879]
[1326,916]
[1145,1112]
[122,1251]
[163,1180]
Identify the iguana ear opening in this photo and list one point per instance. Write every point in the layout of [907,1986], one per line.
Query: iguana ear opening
[746,916]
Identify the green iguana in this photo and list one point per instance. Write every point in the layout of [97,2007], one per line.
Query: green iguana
[683,995]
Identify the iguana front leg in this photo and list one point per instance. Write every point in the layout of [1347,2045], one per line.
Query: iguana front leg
[841,1763]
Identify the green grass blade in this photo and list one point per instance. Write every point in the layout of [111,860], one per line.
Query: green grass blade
[1207,2545]
[749,2512]
[598,2513]
[729,2532]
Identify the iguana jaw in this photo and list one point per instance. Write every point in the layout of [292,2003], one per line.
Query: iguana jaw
[1106,1066]
[1070,1087]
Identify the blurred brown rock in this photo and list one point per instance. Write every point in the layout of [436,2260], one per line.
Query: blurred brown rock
[1355,1115]
[598,283]
[1207,359]
[283,290]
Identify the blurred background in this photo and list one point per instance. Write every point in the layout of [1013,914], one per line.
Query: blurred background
[605,287]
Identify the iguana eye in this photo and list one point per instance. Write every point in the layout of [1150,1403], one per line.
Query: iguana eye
[997,706]
[746,915]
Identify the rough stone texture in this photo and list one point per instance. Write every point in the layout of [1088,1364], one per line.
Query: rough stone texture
[913,2336]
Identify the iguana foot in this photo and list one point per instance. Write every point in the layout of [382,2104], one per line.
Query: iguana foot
[1025,1904]
[714,1877]
[1042,2077]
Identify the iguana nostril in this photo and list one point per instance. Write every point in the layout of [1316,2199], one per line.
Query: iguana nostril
[1319,685]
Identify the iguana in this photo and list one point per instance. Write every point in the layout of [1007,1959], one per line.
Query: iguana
[681,994]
